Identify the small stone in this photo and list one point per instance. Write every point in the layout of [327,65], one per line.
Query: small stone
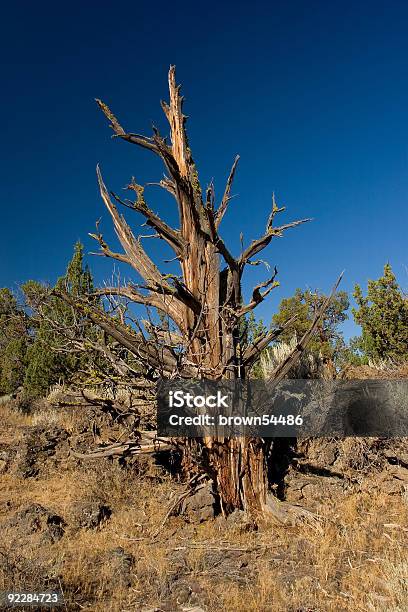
[240,522]
[91,514]
[201,506]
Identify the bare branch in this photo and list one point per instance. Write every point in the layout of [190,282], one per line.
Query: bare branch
[176,119]
[106,252]
[258,245]
[282,369]
[137,257]
[146,351]
[130,447]
[166,336]
[261,342]
[142,141]
[258,296]
[275,210]
[170,235]
[226,198]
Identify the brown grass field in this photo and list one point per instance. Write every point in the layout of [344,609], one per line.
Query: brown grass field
[351,554]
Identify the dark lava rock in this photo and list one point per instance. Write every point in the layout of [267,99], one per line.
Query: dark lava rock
[38,445]
[90,514]
[35,519]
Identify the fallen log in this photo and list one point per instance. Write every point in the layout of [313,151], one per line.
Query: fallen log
[148,443]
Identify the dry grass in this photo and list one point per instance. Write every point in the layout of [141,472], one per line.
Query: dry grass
[12,424]
[356,559]
[380,370]
[309,365]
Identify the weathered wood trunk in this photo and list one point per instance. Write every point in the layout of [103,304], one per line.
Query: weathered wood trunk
[237,467]
[204,303]
[241,474]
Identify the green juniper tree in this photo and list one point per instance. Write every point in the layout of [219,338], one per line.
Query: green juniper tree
[47,361]
[14,341]
[328,341]
[383,316]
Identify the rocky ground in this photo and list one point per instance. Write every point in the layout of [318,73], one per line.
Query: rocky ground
[98,530]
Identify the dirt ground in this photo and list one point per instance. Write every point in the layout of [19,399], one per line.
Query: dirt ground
[96,530]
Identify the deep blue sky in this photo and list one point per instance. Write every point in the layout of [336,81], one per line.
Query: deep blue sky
[312,95]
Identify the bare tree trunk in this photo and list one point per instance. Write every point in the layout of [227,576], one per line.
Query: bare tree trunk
[237,467]
[204,303]
[242,474]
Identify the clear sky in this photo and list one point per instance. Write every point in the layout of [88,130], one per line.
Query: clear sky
[312,95]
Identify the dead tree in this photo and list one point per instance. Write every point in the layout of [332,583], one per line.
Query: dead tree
[204,303]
